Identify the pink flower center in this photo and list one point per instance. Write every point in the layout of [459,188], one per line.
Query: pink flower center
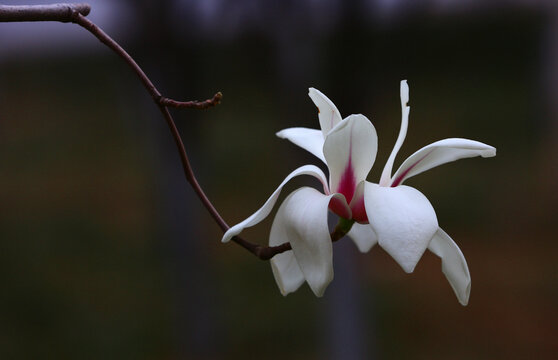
[347,184]
[347,187]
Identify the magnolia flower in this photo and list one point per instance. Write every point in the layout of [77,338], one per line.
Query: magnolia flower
[397,217]
[302,220]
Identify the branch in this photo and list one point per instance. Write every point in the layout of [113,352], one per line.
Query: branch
[267,252]
[215,100]
[53,12]
[162,103]
[76,13]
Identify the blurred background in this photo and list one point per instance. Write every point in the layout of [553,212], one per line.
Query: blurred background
[105,252]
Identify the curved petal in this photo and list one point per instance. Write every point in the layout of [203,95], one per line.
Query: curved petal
[302,221]
[358,212]
[266,208]
[328,114]
[309,139]
[385,179]
[350,150]
[454,265]
[403,219]
[286,271]
[438,153]
[363,236]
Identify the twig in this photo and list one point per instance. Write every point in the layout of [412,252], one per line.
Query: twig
[76,13]
[162,103]
[54,12]
[215,100]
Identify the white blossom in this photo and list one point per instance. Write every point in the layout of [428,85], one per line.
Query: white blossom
[397,217]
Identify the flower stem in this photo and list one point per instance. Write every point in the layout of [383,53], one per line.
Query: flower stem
[342,228]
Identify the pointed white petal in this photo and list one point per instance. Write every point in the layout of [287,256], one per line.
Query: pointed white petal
[363,236]
[438,153]
[302,221]
[454,265]
[309,139]
[403,219]
[262,213]
[350,150]
[385,179]
[328,114]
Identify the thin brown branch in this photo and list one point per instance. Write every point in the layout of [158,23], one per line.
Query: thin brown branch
[215,100]
[267,252]
[52,12]
[155,94]
[76,13]
[114,46]
[262,252]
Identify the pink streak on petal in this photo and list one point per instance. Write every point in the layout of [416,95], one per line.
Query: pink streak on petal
[340,208]
[359,212]
[347,184]
[397,181]
[346,187]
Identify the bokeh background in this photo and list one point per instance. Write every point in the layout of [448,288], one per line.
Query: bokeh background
[105,252]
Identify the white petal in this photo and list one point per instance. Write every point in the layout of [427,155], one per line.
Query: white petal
[302,221]
[350,150]
[268,206]
[309,139]
[286,271]
[438,153]
[403,219]
[328,114]
[363,236]
[385,179]
[454,265]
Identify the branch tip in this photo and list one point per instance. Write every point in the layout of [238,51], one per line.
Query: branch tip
[205,104]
